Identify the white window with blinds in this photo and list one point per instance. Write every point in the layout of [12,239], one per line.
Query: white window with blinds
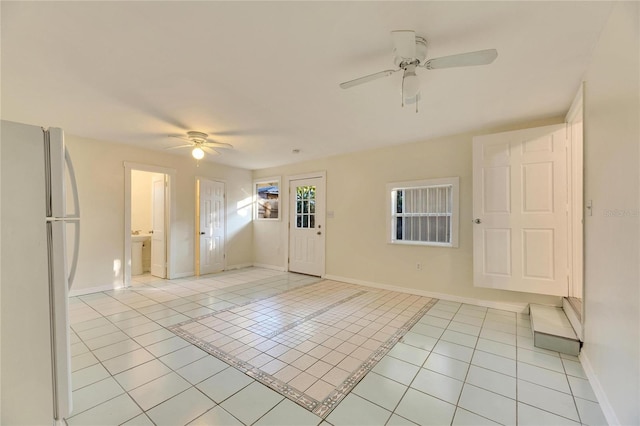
[424,212]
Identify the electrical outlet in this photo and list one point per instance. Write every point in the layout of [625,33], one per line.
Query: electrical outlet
[419,266]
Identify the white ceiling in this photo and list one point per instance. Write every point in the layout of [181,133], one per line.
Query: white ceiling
[264,76]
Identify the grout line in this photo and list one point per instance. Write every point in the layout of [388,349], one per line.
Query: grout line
[517,379]
[464,382]
[575,403]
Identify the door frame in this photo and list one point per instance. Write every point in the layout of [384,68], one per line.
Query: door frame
[196,235]
[287,219]
[575,172]
[169,211]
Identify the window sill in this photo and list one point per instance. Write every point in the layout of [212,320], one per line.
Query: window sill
[421,243]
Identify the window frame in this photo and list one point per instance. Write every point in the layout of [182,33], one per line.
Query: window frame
[454,182]
[272,181]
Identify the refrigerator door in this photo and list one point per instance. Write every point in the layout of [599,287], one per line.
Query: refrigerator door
[26,368]
[59,305]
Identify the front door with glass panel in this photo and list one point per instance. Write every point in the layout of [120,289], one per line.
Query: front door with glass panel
[306,226]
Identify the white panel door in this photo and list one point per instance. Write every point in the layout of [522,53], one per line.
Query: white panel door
[306,225]
[520,211]
[158,237]
[212,225]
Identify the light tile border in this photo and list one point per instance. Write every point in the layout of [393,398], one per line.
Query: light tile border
[320,408]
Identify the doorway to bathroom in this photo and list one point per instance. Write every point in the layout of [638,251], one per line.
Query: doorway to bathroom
[148,207]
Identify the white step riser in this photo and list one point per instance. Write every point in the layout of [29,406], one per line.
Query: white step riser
[553,331]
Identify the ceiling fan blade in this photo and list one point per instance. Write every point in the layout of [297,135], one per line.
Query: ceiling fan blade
[218,144]
[481,57]
[404,44]
[367,78]
[180,137]
[180,146]
[209,150]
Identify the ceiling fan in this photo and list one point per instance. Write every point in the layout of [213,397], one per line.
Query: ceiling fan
[410,51]
[200,143]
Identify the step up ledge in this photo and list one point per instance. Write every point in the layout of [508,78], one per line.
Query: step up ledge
[552,330]
[556,343]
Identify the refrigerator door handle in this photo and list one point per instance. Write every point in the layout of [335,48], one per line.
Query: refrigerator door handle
[76,251]
[76,202]
[74,184]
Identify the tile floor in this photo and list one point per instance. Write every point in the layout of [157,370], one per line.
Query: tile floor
[459,364]
[312,344]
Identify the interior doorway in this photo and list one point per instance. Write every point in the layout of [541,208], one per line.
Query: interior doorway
[148,213]
[529,207]
[210,226]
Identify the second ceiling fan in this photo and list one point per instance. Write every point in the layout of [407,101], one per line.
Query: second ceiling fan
[200,143]
[410,53]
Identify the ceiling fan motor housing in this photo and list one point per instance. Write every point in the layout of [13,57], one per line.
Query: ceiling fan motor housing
[421,53]
[197,137]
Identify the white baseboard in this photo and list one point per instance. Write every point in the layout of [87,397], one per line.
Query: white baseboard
[98,289]
[601,396]
[238,266]
[522,308]
[272,267]
[182,275]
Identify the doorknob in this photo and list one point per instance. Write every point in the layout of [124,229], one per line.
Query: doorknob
[319,233]
[477,221]
[202,233]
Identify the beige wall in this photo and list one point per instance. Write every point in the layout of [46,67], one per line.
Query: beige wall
[356,244]
[612,279]
[100,174]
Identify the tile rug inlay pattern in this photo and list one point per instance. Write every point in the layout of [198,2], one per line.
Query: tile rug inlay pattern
[312,344]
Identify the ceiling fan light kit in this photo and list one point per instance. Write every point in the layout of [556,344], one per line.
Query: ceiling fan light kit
[197,153]
[410,53]
[200,143]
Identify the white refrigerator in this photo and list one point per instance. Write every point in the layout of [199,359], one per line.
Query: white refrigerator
[40,230]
